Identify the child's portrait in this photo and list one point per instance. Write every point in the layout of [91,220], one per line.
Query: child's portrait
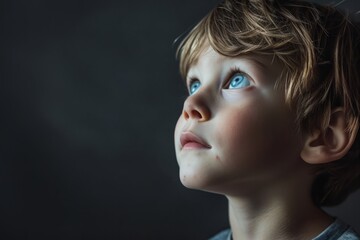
[272,116]
[180,120]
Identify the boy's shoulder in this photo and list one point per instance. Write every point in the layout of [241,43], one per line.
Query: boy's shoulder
[338,230]
[223,235]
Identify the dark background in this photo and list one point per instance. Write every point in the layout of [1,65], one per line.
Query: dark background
[90,93]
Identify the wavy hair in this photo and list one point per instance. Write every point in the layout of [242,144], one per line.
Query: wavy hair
[320,50]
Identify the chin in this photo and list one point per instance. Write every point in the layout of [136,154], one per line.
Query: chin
[199,180]
[192,179]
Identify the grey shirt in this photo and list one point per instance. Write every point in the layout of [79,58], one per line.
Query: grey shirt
[338,230]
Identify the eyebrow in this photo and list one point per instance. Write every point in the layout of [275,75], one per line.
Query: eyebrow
[251,58]
[257,62]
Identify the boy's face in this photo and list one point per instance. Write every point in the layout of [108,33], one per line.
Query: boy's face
[235,129]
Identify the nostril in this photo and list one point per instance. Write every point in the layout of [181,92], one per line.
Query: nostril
[196,114]
[186,115]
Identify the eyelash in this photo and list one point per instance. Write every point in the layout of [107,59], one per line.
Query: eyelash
[232,72]
[191,81]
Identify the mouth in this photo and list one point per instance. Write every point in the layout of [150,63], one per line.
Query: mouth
[189,140]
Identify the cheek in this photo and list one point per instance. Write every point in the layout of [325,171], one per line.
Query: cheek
[251,134]
[238,131]
[177,127]
[177,131]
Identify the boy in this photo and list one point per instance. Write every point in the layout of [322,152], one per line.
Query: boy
[272,117]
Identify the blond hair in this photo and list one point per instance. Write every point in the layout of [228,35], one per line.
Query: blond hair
[319,48]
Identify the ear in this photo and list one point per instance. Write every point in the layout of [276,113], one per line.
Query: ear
[330,144]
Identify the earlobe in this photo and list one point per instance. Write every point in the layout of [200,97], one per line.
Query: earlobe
[331,143]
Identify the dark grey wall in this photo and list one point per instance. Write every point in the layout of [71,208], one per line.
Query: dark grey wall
[90,93]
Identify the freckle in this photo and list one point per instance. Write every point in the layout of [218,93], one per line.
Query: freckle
[217,158]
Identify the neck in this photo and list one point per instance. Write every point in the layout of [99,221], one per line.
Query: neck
[281,212]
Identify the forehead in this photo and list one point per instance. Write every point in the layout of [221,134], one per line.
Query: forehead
[207,56]
[210,59]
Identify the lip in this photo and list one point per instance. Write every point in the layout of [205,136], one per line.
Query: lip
[189,140]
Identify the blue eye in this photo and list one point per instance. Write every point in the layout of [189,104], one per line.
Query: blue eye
[239,80]
[194,86]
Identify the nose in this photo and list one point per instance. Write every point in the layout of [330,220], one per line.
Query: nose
[196,108]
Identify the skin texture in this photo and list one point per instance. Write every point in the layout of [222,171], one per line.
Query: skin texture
[250,151]
[247,128]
